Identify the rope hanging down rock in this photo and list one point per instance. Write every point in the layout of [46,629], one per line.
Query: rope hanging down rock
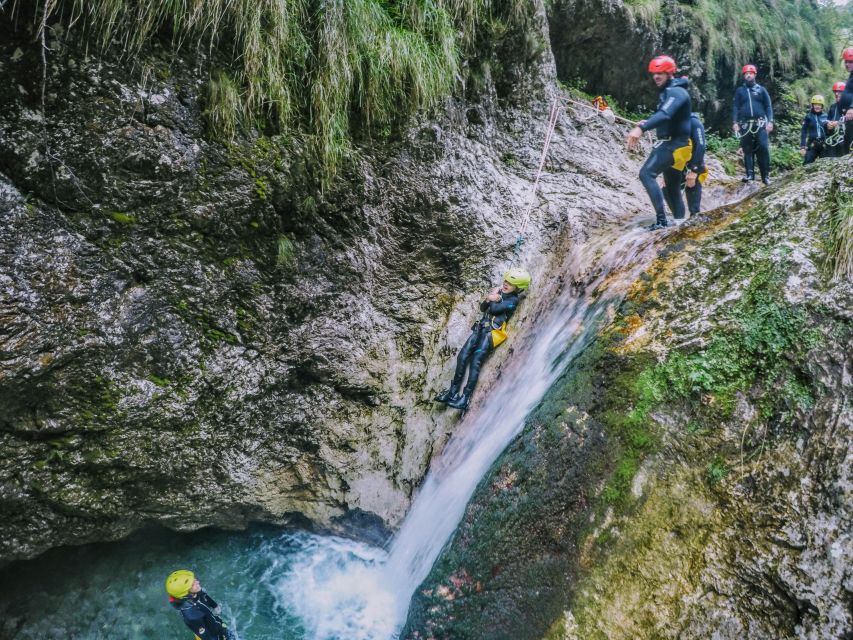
[552,122]
[556,104]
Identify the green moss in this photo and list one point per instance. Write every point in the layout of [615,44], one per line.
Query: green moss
[122,218]
[717,470]
[160,382]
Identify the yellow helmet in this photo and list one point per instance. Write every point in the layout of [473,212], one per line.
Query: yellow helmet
[818,99]
[519,277]
[179,582]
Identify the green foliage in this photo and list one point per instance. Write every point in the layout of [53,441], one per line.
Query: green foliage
[716,471]
[284,255]
[841,235]
[332,68]
[223,106]
[635,392]
[784,152]
[724,149]
[785,34]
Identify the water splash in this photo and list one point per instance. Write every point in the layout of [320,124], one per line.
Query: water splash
[334,586]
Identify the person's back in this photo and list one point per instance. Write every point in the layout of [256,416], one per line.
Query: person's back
[671,121]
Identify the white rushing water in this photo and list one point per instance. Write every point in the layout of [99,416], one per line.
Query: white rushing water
[343,591]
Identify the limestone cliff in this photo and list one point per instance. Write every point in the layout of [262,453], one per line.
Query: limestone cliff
[689,477]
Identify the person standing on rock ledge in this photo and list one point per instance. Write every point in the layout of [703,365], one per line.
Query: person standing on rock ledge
[752,120]
[486,334]
[846,101]
[834,149]
[813,131]
[672,122]
[199,611]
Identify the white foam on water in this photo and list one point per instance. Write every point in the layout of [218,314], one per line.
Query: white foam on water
[335,587]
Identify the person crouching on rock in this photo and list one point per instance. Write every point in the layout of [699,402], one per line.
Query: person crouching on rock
[199,611]
[486,334]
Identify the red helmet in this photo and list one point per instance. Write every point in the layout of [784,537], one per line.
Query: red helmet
[749,68]
[847,54]
[839,86]
[662,64]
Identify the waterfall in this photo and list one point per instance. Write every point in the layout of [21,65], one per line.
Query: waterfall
[345,594]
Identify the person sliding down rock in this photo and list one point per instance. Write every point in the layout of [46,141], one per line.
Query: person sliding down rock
[813,131]
[486,334]
[672,122]
[199,611]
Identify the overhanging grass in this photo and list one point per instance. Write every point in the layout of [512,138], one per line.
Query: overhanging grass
[841,234]
[329,67]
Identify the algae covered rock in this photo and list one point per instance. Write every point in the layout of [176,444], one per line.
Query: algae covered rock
[712,496]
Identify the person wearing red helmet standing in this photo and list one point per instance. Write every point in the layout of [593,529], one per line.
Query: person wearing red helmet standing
[846,100]
[752,118]
[672,124]
[835,116]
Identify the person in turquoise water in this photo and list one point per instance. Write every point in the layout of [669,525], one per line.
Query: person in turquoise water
[198,610]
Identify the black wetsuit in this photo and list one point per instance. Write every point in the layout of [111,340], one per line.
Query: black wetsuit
[199,614]
[835,114]
[750,103]
[845,103]
[479,345]
[813,135]
[672,121]
[696,164]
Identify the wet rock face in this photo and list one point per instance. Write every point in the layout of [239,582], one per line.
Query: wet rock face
[689,477]
[193,335]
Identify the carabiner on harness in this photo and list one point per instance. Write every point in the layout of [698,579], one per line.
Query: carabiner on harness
[837,136]
[750,127]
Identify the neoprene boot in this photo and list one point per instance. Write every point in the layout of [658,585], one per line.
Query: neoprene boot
[447,395]
[460,402]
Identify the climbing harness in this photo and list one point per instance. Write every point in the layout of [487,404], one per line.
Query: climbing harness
[750,127]
[837,136]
